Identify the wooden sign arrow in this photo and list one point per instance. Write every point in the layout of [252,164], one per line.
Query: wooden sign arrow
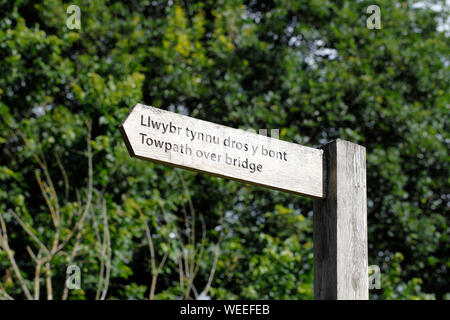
[193,144]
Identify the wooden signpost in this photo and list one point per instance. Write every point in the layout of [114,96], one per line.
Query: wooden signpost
[334,176]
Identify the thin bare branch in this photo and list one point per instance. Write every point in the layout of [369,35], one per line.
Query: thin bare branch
[4,244]
[149,237]
[107,242]
[44,190]
[102,259]
[180,271]
[64,174]
[32,255]
[37,274]
[30,233]
[48,281]
[216,257]
[202,245]
[5,294]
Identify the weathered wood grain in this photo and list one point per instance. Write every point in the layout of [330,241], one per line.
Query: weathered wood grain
[340,225]
[293,168]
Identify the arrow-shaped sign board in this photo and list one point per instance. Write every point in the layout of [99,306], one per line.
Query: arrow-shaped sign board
[189,143]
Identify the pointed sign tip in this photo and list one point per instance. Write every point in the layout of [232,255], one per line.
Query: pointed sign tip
[126,140]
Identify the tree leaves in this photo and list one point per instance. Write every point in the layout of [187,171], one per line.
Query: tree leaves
[308,68]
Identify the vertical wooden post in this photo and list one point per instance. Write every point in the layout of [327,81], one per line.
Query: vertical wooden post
[340,225]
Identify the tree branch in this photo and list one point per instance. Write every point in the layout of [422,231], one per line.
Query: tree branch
[4,244]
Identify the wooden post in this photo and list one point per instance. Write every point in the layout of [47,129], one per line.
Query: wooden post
[340,225]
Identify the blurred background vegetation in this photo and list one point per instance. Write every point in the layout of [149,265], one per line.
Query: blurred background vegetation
[71,194]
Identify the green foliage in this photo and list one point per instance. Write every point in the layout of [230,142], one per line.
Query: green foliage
[309,68]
